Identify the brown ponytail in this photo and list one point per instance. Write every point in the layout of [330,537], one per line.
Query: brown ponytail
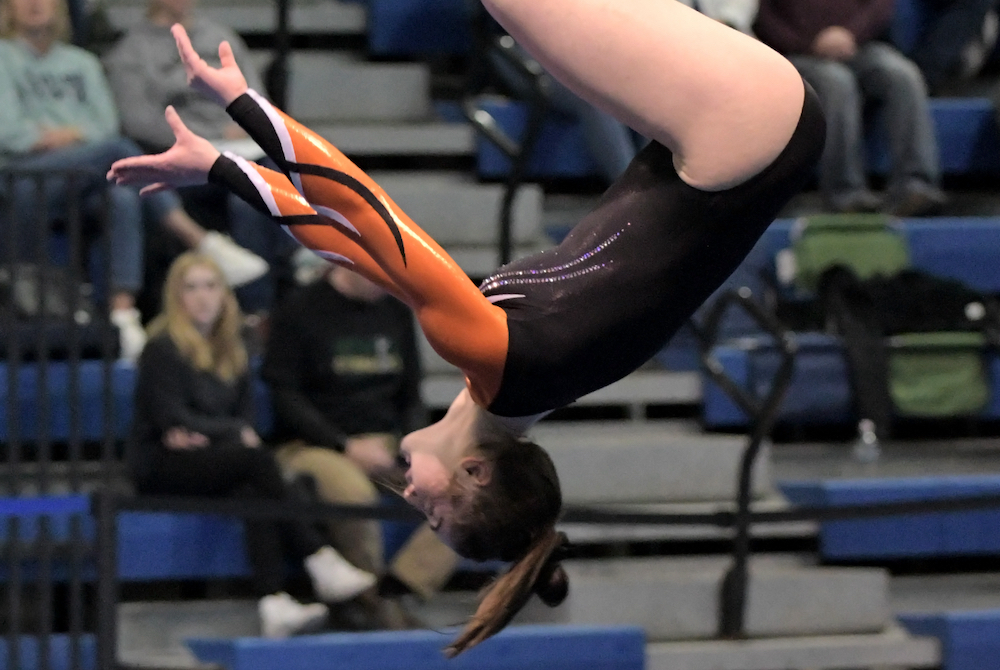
[512,517]
[538,571]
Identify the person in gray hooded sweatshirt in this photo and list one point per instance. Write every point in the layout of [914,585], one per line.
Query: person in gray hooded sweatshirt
[146,75]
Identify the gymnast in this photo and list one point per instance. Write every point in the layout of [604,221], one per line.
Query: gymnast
[735,133]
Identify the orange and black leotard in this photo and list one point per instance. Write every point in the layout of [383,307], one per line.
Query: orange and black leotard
[551,327]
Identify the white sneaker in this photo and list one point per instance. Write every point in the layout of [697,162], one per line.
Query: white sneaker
[334,579]
[131,335]
[309,266]
[283,616]
[238,265]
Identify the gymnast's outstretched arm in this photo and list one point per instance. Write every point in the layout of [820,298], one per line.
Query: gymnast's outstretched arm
[461,325]
[723,102]
[353,226]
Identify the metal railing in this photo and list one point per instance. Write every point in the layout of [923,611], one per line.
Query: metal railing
[762,413]
[491,50]
[44,315]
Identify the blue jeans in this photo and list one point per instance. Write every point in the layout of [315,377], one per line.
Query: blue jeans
[126,212]
[879,75]
[611,144]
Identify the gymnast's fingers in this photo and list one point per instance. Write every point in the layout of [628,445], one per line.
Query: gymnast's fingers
[154,188]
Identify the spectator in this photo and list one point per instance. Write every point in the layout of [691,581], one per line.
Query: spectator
[833,44]
[344,372]
[611,144]
[738,14]
[192,434]
[952,25]
[146,75]
[56,111]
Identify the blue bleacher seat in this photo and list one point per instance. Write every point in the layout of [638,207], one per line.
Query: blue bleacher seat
[60,653]
[967,136]
[168,546]
[970,640]
[419,27]
[90,392]
[561,150]
[59,383]
[967,132]
[937,534]
[549,647]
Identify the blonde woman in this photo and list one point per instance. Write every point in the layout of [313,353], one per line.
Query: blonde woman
[192,434]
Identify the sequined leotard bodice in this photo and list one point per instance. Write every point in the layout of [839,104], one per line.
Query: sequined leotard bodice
[625,279]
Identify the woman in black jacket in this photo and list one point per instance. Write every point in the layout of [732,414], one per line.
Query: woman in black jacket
[192,434]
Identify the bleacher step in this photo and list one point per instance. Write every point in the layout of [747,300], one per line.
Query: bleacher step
[893,648]
[328,17]
[652,462]
[455,210]
[678,598]
[634,392]
[425,138]
[337,87]
[582,533]
[154,632]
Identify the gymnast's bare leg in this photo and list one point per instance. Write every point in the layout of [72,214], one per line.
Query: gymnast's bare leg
[722,102]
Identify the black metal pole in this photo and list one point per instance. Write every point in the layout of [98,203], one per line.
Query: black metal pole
[277,85]
[77,274]
[733,593]
[516,176]
[105,512]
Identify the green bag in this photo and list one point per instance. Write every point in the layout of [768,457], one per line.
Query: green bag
[865,243]
[938,374]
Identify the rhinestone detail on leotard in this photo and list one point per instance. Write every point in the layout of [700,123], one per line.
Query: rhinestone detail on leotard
[532,276]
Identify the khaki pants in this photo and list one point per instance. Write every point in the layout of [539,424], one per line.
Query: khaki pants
[424,563]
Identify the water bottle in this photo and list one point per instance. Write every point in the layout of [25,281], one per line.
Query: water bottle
[866,447]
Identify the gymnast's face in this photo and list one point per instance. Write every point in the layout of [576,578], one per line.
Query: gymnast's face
[429,489]
[441,471]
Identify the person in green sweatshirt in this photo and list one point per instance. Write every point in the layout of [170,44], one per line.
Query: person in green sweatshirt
[57,112]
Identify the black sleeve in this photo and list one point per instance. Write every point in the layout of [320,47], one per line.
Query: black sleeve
[162,387]
[283,371]
[248,113]
[226,173]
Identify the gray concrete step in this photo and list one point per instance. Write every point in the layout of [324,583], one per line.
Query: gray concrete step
[462,215]
[913,594]
[652,462]
[427,138]
[634,392]
[678,598]
[153,633]
[337,87]
[456,210]
[581,533]
[258,16]
[893,648]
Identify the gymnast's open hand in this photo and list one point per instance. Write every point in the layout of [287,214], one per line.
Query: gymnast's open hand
[222,84]
[187,163]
